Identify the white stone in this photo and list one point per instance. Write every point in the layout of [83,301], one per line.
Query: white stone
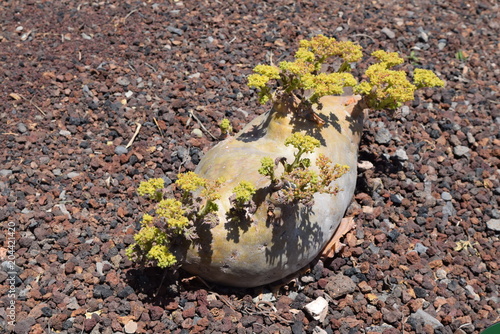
[317,309]
[364,165]
[197,133]
[130,327]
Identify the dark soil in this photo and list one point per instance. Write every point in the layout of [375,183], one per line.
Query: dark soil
[78,77]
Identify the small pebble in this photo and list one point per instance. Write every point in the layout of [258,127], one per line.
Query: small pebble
[197,133]
[175,30]
[493,224]
[119,150]
[442,44]
[65,133]
[22,128]
[131,327]
[389,33]
[5,172]
[401,154]
[460,150]
[123,81]
[72,175]
[441,273]
[383,136]
[317,309]
[446,196]
[427,318]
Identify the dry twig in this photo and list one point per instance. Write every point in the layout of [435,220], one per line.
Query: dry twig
[139,125]
[201,124]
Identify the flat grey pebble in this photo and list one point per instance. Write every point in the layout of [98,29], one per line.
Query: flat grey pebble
[383,136]
[175,30]
[401,154]
[493,224]
[389,33]
[427,318]
[121,150]
[5,172]
[446,196]
[22,128]
[460,150]
[72,175]
[123,81]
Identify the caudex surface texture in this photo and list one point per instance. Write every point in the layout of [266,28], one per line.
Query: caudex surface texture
[278,239]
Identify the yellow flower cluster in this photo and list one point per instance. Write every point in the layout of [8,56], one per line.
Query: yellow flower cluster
[267,167]
[171,210]
[257,80]
[225,126]
[161,253]
[426,78]
[323,47]
[151,241]
[328,83]
[244,192]
[390,59]
[262,75]
[151,187]
[390,83]
[305,143]
[190,181]
[272,72]
[298,67]
[386,88]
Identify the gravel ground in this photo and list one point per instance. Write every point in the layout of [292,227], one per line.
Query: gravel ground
[78,77]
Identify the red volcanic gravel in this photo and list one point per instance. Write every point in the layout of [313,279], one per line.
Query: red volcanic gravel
[78,77]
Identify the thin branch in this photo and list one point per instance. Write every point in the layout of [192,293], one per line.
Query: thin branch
[139,125]
[201,124]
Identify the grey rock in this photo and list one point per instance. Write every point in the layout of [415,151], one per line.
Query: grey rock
[123,81]
[319,330]
[460,150]
[265,297]
[22,128]
[307,279]
[442,44]
[493,224]
[99,267]
[388,32]
[72,175]
[65,133]
[446,196]
[339,285]
[11,267]
[423,35]
[5,172]
[383,136]
[175,30]
[421,249]
[73,304]
[427,318]
[379,329]
[397,199]
[119,150]
[401,154]
[448,209]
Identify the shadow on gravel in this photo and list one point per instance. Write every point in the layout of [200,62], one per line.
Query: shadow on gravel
[160,287]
